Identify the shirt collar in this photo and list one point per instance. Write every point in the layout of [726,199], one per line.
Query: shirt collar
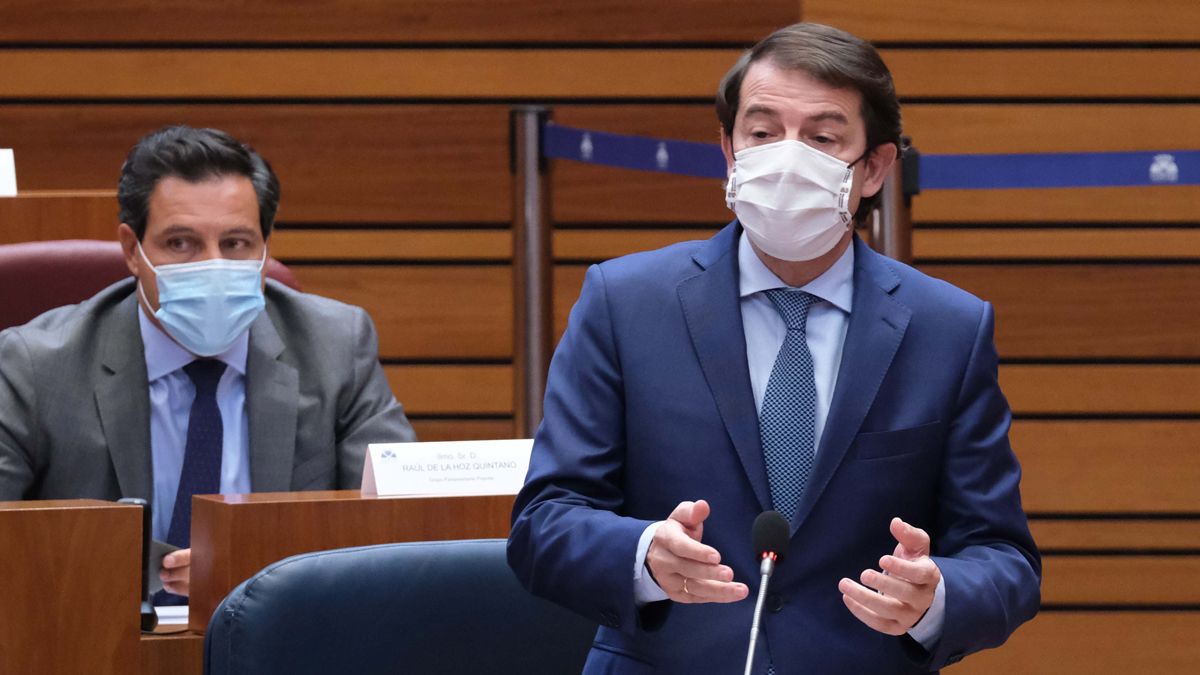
[164,355]
[835,285]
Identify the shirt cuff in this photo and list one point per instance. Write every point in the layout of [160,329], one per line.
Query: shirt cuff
[645,590]
[929,629]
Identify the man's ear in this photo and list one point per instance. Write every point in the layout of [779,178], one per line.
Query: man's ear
[876,167]
[727,150]
[129,248]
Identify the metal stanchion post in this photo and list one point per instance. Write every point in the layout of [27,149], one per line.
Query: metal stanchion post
[533,310]
[891,227]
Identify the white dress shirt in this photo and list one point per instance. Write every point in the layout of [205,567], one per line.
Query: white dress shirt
[171,396]
[765,330]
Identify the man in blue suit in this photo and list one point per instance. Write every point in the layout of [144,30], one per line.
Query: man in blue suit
[781,365]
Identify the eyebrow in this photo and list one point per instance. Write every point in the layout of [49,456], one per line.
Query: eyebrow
[823,116]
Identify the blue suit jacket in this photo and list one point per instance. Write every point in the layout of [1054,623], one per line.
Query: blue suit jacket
[649,404]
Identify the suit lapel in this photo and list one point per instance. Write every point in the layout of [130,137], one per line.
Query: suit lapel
[272,396]
[711,308]
[877,325]
[123,399]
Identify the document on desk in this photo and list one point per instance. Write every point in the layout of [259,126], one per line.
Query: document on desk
[172,616]
[158,551]
[446,468]
[8,174]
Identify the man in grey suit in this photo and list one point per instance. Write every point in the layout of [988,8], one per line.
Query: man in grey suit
[198,375]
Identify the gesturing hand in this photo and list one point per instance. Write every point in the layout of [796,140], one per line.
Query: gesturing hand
[905,587]
[687,570]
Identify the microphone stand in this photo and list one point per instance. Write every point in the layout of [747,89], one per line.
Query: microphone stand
[766,568]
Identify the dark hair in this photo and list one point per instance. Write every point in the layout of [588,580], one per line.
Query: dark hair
[835,58]
[193,155]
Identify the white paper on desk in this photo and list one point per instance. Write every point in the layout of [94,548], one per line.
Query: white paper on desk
[172,616]
[8,174]
[446,468]
[158,551]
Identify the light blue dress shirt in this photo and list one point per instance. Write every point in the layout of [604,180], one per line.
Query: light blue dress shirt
[171,396]
[765,331]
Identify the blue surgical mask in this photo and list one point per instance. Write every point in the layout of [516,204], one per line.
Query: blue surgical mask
[205,306]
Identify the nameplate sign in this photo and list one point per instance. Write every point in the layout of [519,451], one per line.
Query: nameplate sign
[446,468]
[8,174]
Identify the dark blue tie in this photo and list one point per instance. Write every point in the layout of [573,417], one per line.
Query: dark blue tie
[787,419]
[201,473]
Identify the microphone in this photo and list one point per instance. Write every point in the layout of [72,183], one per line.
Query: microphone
[771,533]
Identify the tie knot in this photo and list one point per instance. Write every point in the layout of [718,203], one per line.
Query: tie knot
[205,374]
[792,306]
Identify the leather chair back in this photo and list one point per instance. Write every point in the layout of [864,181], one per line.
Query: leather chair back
[426,607]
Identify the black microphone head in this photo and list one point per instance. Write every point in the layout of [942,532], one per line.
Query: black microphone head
[771,534]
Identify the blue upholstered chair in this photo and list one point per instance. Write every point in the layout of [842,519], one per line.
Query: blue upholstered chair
[429,607]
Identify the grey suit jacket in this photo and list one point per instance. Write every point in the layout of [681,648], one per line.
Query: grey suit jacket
[75,410]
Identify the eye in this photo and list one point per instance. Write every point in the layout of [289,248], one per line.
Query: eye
[178,244]
[235,244]
[821,139]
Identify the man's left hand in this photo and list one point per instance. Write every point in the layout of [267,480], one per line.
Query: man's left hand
[905,587]
[177,571]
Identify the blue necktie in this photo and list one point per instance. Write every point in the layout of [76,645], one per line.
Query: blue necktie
[787,419]
[201,473]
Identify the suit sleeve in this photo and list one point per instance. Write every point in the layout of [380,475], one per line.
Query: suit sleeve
[569,542]
[982,545]
[18,428]
[368,412]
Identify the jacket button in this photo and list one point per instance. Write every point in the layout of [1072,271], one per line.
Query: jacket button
[774,602]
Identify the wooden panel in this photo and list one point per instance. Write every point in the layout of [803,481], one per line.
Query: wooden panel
[558,73]
[998,243]
[1068,310]
[234,536]
[346,244]
[1102,389]
[369,73]
[453,390]
[1050,73]
[425,311]
[1120,579]
[462,430]
[591,194]
[41,216]
[337,163]
[1109,466]
[1123,535]
[400,21]
[1087,643]
[1011,20]
[1057,243]
[173,654]
[1057,310]
[72,587]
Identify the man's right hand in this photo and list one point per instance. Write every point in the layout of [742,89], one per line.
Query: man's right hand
[687,570]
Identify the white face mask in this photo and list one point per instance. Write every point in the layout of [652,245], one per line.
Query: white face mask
[793,200]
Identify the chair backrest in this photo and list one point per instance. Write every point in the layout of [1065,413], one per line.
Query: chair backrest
[38,276]
[426,607]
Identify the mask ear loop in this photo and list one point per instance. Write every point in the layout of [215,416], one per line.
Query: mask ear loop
[141,290]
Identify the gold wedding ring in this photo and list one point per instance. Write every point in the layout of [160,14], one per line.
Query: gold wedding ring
[685,590]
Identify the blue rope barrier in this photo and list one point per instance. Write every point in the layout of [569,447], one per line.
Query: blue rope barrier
[937,172]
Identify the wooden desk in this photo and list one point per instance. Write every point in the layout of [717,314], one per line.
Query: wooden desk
[69,568]
[234,536]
